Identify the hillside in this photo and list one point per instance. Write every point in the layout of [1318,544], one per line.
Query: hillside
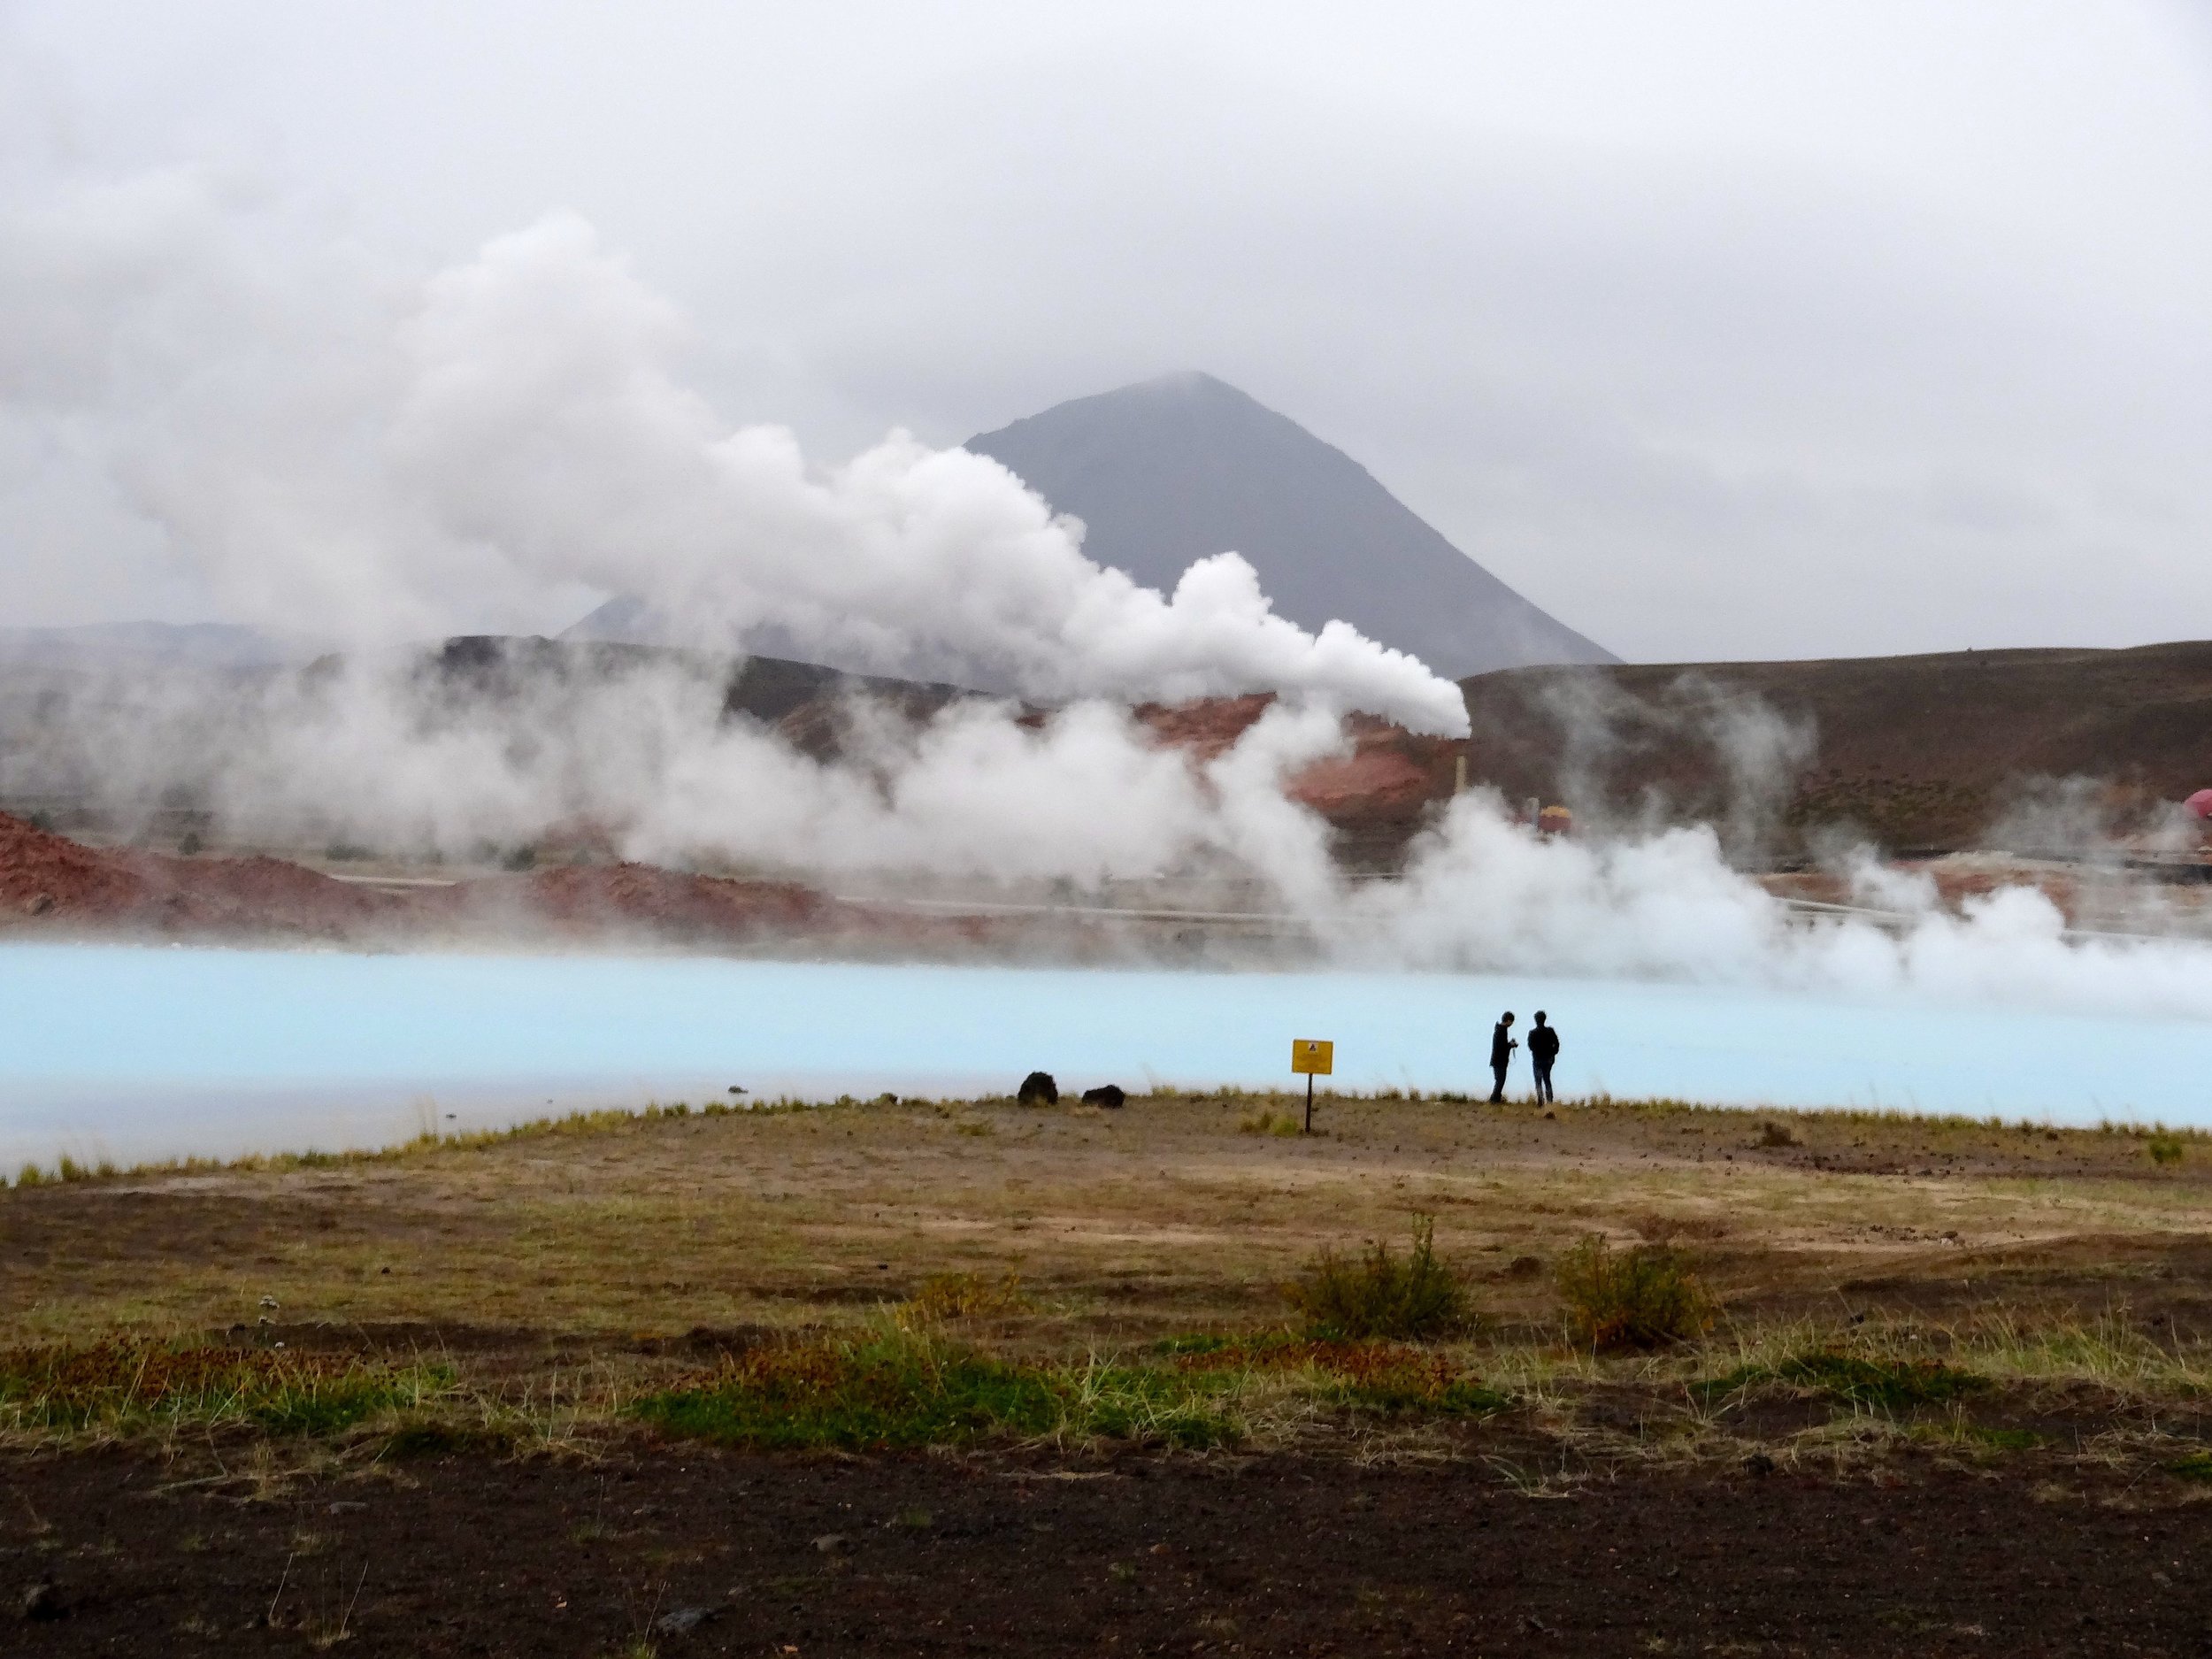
[1172,470]
[1920,751]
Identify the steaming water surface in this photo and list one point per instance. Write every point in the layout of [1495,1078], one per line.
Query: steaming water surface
[139,1053]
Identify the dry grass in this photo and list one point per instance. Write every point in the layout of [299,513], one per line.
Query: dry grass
[559,1273]
[1159,1216]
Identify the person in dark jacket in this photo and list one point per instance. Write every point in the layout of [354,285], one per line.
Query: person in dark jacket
[1502,1048]
[1543,1049]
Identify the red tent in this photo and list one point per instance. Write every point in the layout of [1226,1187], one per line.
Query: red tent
[2201,804]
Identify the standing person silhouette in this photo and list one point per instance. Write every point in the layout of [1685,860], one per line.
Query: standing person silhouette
[1543,1049]
[1502,1048]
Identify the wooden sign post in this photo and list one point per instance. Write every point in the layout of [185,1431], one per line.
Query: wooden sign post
[1314,1058]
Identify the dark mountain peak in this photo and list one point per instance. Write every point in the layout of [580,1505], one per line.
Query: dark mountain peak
[1170,470]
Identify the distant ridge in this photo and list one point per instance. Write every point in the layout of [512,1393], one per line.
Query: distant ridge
[1170,470]
[201,644]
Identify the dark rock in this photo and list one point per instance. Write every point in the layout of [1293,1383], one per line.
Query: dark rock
[1039,1089]
[681,1621]
[1758,1464]
[40,1603]
[1106,1094]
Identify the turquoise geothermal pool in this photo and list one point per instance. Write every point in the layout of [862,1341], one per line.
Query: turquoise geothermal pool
[142,1053]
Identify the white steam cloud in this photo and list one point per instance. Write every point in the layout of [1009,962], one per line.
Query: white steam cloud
[507,443]
[645,763]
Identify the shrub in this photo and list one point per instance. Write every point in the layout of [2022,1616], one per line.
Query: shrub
[2165,1149]
[1645,1297]
[1380,1294]
[962,1296]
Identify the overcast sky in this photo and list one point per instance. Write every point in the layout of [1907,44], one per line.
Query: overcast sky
[1719,330]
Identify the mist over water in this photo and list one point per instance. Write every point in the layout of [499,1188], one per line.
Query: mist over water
[326,443]
[146,1053]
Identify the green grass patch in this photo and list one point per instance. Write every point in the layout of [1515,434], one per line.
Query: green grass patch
[2003,1439]
[130,1384]
[429,1437]
[911,1389]
[915,1389]
[1377,1376]
[2195,1466]
[877,1396]
[1862,1382]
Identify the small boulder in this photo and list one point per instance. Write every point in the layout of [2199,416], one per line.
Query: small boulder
[1039,1089]
[1106,1094]
[683,1620]
[40,1603]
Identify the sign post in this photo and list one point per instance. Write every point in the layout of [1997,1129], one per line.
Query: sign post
[1314,1058]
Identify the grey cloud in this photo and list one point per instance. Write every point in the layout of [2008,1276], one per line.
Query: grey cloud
[1710,328]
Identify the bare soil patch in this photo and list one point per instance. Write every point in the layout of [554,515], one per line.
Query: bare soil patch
[680,1552]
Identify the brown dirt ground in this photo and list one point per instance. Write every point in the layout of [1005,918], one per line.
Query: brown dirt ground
[1136,1556]
[1124,1225]
[1606,1514]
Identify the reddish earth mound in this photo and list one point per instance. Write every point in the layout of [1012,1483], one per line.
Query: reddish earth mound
[43,874]
[1389,776]
[50,882]
[1374,797]
[593,900]
[1207,726]
[48,876]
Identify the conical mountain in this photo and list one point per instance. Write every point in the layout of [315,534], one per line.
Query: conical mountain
[1168,471]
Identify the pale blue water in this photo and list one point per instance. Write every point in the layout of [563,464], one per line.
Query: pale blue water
[146,1052]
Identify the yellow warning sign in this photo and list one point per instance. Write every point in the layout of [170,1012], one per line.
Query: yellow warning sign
[1310,1057]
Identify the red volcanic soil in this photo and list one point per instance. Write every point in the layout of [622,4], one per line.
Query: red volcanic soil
[50,882]
[1205,727]
[42,874]
[1374,797]
[625,895]
[643,898]
[1384,777]
[48,876]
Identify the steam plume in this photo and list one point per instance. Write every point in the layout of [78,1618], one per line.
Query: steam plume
[506,443]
